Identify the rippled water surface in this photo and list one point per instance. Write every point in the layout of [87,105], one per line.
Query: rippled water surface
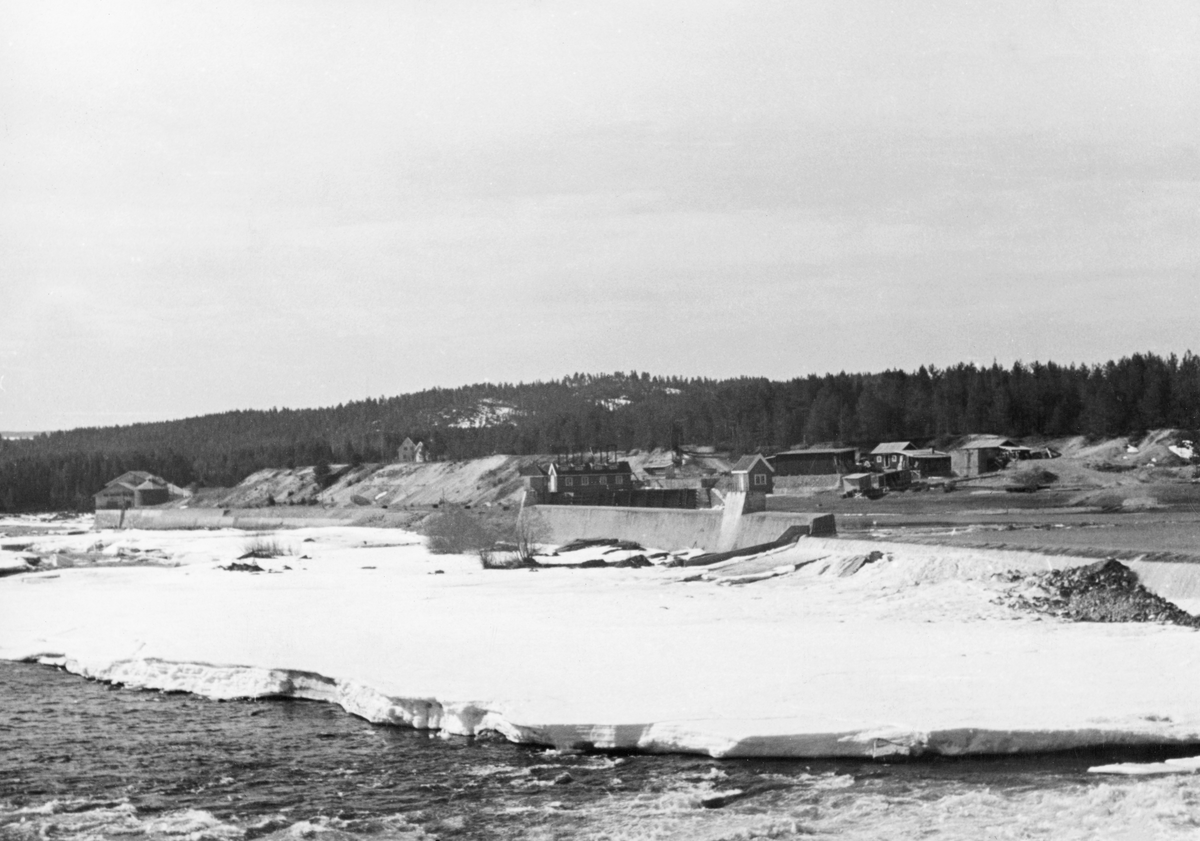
[84,760]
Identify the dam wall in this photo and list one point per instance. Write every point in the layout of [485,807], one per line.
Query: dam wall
[283,517]
[668,528]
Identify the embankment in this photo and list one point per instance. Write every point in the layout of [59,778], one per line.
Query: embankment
[283,517]
[1177,581]
[666,528]
[494,480]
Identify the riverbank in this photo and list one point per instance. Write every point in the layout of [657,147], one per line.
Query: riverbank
[147,765]
[909,654]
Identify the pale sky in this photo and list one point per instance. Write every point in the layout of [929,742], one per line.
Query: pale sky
[211,206]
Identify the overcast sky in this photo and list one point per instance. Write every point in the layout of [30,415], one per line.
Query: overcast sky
[210,206]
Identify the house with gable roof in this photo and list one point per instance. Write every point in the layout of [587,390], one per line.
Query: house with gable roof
[753,474]
[411,451]
[890,455]
[903,455]
[980,454]
[133,489]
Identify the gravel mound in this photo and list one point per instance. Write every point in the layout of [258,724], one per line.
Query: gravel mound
[1107,591]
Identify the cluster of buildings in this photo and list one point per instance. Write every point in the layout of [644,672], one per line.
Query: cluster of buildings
[613,482]
[689,479]
[694,479]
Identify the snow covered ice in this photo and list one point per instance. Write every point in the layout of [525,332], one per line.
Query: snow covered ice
[827,655]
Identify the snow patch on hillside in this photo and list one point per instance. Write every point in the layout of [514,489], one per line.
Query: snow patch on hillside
[487,412]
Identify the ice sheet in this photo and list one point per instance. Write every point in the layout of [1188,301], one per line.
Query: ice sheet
[907,654]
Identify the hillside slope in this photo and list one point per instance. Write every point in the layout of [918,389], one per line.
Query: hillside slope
[493,480]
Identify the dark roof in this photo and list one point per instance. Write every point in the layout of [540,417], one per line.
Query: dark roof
[531,470]
[592,467]
[743,464]
[816,452]
[134,478]
[920,454]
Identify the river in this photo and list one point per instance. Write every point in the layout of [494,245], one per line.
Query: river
[83,760]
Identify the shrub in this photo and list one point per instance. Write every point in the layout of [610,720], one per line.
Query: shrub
[455,532]
[322,475]
[261,546]
[529,533]
[1032,478]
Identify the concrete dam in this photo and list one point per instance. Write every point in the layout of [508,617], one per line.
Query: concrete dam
[713,530]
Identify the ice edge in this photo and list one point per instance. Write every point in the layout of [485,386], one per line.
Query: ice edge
[466,718]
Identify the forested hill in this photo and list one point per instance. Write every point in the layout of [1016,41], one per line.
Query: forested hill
[617,411]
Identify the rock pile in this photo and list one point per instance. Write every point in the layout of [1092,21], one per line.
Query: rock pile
[1107,591]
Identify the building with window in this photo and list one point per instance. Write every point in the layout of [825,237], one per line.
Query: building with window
[411,451]
[582,478]
[890,454]
[753,474]
[903,455]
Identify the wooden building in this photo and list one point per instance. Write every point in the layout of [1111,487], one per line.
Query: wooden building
[410,451]
[890,454]
[133,489]
[860,484]
[980,454]
[534,477]
[582,478]
[815,462]
[927,463]
[753,474]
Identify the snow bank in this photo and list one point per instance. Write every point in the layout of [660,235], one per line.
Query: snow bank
[846,655]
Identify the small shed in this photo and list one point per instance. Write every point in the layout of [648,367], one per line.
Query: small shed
[859,483]
[979,454]
[1016,452]
[753,473]
[926,463]
[895,480]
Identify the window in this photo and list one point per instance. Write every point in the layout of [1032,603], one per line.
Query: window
[583,480]
[620,479]
[568,481]
[760,478]
[603,480]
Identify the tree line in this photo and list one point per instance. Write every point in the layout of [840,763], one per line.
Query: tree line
[621,411]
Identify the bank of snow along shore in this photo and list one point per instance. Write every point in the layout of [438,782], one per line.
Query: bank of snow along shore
[824,648]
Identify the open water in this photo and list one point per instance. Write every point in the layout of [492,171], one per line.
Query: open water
[82,760]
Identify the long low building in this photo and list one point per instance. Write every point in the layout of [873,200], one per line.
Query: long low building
[815,462]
